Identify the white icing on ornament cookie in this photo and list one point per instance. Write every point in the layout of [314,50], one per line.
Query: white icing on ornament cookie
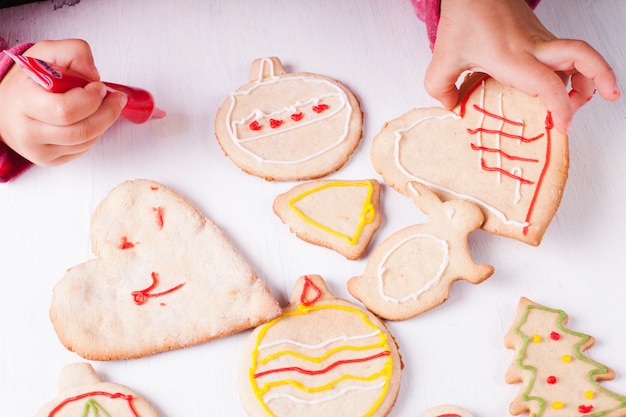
[289,126]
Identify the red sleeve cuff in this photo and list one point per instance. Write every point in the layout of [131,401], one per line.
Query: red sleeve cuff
[11,163]
[428,12]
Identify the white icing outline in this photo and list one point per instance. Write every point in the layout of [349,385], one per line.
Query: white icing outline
[322,344]
[429,285]
[269,397]
[273,79]
[396,153]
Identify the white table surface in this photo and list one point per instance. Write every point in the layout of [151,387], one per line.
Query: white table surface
[190,54]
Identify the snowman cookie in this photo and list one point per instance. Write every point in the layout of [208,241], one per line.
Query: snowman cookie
[289,127]
[412,270]
[164,277]
[497,148]
[323,357]
[83,393]
[340,215]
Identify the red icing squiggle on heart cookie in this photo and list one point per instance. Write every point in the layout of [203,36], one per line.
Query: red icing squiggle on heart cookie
[141,297]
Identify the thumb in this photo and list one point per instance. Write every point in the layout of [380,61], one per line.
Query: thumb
[440,82]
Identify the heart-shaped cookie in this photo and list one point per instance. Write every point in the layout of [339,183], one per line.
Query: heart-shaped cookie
[497,148]
[165,277]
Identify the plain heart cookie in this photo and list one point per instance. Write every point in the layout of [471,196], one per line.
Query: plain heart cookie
[497,148]
[83,393]
[324,357]
[340,215]
[289,127]
[165,277]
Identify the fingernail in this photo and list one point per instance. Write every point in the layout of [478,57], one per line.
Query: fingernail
[616,90]
[123,99]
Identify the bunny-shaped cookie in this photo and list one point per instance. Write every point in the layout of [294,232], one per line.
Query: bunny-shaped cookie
[411,271]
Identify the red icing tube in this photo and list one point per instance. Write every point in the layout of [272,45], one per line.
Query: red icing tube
[139,108]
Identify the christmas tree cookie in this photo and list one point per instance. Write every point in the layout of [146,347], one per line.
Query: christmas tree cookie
[83,393]
[558,379]
[324,357]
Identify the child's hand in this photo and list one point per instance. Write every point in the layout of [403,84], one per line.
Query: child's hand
[504,39]
[50,128]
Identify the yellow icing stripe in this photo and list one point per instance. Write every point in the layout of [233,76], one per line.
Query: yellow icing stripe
[269,385]
[366,216]
[302,310]
[319,359]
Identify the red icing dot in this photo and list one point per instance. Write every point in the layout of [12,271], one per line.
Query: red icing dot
[255,125]
[551,379]
[555,336]
[320,108]
[125,244]
[296,117]
[275,123]
[584,409]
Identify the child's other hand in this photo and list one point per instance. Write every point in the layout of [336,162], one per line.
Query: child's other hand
[50,128]
[504,39]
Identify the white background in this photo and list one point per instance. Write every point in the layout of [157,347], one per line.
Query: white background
[190,54]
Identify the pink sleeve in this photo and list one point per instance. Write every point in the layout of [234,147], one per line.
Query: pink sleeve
[11,163]
[428,12]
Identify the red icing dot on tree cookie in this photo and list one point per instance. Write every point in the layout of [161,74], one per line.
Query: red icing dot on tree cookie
[255,125]
[555,336]
[585,409]
[320,108]
[551,379]
[275,123]
[296,117]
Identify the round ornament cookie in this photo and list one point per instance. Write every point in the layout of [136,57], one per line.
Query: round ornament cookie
[324,356]
[289,127]
[83,393]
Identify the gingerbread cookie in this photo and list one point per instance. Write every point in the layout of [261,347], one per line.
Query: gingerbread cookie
[411,271]
[82,393]
[496,148]
[165,277]
[289,127]
[340,215]
[558,378]
[324,356]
